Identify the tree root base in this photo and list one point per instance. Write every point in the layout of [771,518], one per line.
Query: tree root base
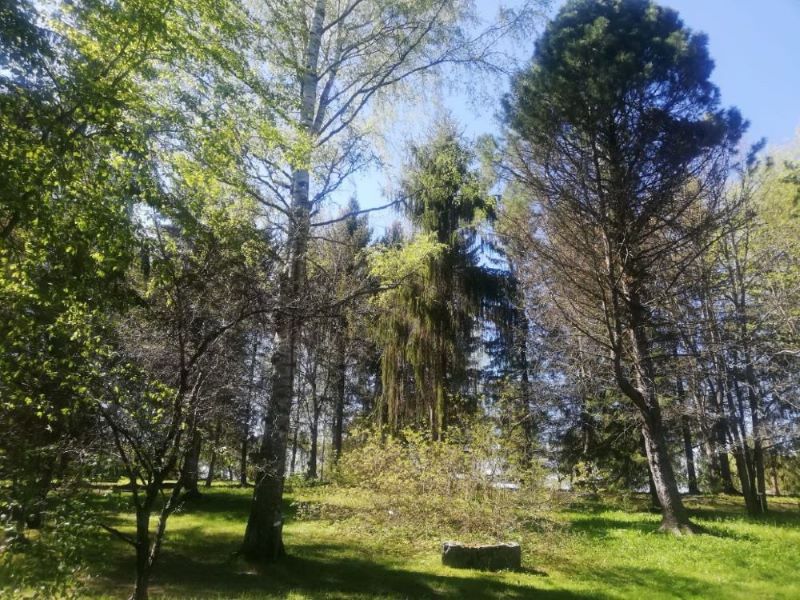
[680,530]
[192,495]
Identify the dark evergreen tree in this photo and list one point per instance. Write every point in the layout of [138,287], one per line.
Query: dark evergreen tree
[617,133]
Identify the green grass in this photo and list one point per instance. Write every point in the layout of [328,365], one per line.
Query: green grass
[588,550]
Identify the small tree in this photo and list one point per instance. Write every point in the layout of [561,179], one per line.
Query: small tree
[171,359]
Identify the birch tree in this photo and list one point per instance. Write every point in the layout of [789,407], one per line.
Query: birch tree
[323,64]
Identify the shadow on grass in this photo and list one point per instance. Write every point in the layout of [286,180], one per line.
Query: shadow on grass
[203,566]
[220,501]
[601,527]
[775,516]
[199,563]
[335,571]
[322,570]
[639,582]
[598,523]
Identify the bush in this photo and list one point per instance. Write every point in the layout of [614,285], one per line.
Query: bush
[466,487]
[48,563]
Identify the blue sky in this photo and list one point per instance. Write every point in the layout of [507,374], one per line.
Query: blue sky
[756,50]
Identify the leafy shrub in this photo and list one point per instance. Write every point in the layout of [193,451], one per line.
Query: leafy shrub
[48,563]
[466,486]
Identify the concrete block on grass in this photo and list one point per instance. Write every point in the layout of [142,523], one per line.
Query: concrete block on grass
[494,557]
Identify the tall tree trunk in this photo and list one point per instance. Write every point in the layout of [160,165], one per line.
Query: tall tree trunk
[740,459]
[293,462]
[142,541]
[688,449]
[378,404]
[530,427]
[723,460]
[655,503]
[528,415]
[191,466]
[339,388]
[774,472]
[705,421]
[322,456]
[717,382]
[440,412]
[213,462]
[755,418]
[712,462]
[755,506]
[295,435]
[721,428]
[311,470]
[674,518]
[740,455]
[244,449]
[263,539]
[737,265]
[212,465]
[148,546]
[142,581]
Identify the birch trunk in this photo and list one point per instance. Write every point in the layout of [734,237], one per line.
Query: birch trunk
[191,467]
[263,540]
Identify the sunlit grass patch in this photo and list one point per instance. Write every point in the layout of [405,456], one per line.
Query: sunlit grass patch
[588,550]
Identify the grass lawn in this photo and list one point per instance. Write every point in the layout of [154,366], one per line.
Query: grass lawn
[584,551]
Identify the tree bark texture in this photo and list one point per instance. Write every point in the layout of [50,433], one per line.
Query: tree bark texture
[263,540]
